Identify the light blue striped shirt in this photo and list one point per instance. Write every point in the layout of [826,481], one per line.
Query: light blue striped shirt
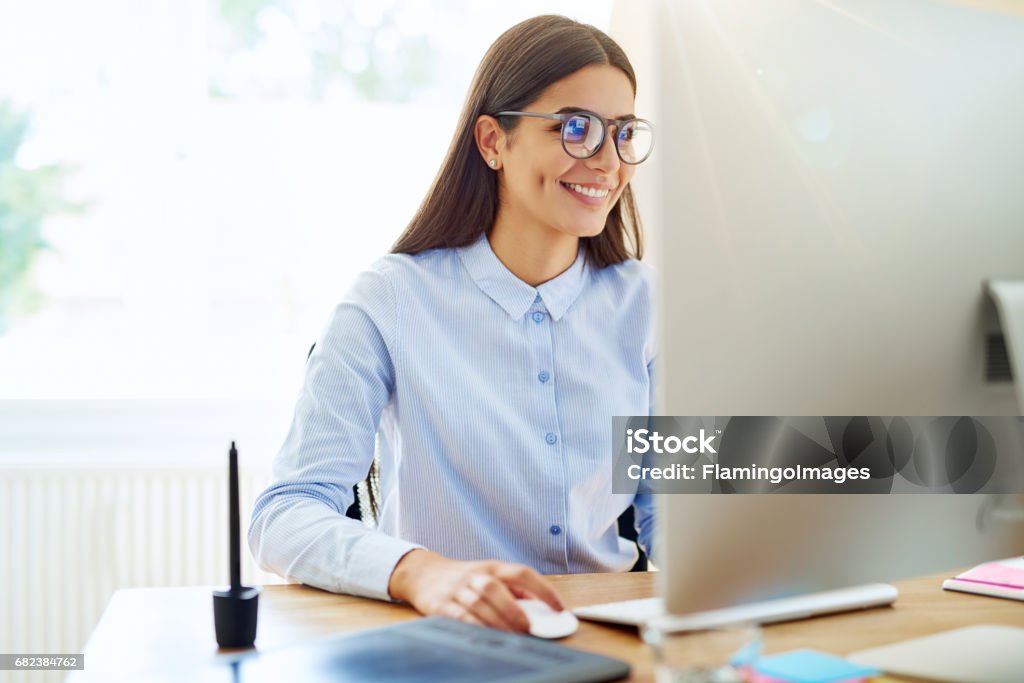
[491,402]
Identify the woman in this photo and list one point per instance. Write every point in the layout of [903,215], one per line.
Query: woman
[488,352]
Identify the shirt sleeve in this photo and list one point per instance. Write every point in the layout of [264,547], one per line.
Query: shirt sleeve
[643,504]
[298,527]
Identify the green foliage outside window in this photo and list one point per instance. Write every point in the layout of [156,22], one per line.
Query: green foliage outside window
[27,198]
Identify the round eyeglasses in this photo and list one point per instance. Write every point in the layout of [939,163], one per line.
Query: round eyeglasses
[584,132]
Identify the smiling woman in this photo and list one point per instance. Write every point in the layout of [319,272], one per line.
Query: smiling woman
[470,351]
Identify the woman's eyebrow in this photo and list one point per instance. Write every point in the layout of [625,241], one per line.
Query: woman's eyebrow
[573,110]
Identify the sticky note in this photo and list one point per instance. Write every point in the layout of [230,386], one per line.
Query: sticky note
[809,666]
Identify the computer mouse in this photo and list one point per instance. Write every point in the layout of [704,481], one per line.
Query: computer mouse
[546,622]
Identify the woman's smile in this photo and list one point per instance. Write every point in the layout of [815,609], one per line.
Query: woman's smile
[589,194]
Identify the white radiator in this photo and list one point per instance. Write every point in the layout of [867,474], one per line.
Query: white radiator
[70,537]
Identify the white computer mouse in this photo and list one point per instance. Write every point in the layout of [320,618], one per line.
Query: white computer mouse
[546,622]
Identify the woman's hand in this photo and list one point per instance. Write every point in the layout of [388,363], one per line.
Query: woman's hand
[482,593]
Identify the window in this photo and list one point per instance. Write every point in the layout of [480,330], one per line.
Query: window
[234,165]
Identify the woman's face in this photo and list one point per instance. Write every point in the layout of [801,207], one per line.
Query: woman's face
[537,174]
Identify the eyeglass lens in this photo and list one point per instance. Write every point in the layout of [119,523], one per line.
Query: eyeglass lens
[582,135]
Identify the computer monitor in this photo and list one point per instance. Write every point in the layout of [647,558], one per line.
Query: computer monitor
[835,183]
[838,181]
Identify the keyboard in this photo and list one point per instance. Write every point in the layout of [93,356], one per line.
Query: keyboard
[636,612]
[628,612]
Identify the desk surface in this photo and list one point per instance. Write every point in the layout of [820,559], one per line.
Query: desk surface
[151,630]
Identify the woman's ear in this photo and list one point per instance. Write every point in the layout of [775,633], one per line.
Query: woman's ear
[490,140]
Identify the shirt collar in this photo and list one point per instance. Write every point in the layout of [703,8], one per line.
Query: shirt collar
[511,293]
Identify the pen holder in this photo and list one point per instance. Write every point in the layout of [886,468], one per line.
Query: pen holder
[234,616]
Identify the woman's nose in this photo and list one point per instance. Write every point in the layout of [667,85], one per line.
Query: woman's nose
[607,158]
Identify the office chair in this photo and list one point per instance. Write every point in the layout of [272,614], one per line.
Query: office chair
[366,505]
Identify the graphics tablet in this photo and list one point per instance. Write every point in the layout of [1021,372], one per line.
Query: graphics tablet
[428,649]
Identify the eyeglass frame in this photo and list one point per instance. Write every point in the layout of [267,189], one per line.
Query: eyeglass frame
[604,131]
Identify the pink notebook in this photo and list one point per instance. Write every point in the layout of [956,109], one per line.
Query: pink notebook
[1001,579]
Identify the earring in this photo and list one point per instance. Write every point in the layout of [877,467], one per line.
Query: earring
[493,163]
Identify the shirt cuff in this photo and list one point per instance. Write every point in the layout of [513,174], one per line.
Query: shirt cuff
[373,560]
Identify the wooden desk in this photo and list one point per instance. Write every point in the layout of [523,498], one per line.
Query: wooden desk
[150,630]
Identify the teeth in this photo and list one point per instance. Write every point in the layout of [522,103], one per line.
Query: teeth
[588,191]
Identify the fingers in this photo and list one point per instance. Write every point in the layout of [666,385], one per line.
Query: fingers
[528,583]
[491,610]
[453,610]
[503,601]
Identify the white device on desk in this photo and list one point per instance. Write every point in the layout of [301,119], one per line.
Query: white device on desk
[547,623]
[983,653]
[834,186]
[637,612]
[768,558]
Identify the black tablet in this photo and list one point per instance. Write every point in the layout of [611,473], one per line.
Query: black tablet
[429,649]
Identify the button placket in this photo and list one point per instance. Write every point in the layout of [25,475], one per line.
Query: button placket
[540,332]
[540,335]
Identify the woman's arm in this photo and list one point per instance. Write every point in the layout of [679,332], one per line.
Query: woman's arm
[643,504]
[299,529]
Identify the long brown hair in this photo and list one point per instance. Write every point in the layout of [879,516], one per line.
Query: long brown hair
[463,201]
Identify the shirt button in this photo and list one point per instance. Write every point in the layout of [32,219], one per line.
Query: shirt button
[543,376]
[551,438]
[555,529]
[538,317]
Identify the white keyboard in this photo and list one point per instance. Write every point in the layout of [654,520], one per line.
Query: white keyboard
[629,612]
[636,612]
